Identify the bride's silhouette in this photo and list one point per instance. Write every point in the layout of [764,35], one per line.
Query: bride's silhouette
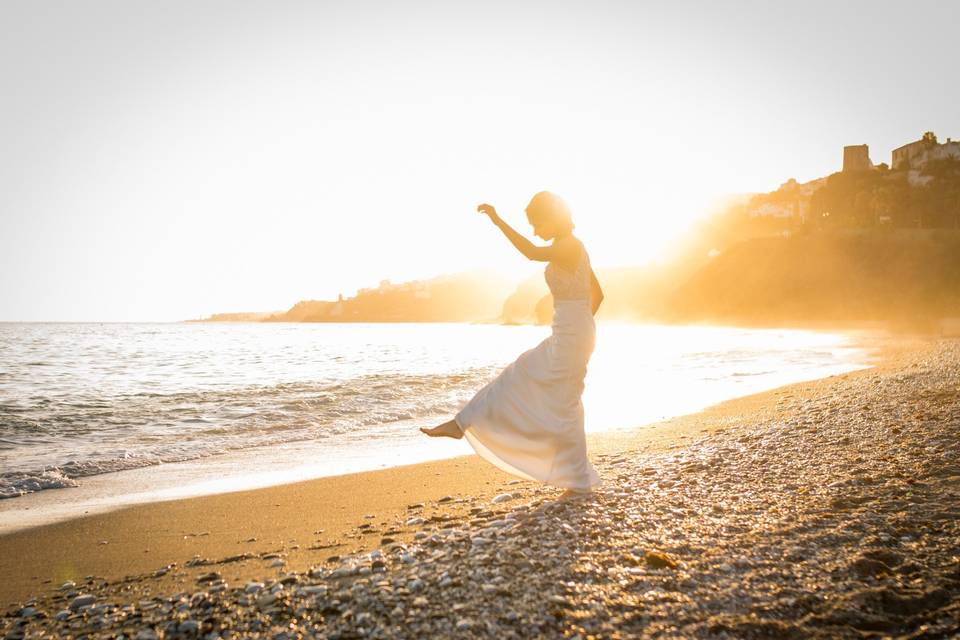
[529,419]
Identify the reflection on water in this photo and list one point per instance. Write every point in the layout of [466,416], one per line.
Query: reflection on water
[643,373]
[84,399]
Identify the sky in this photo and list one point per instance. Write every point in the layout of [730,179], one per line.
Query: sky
[168,160]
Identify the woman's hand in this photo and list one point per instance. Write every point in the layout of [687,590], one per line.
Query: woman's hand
[489,210]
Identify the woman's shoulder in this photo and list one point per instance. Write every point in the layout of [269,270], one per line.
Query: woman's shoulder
[571,241]
[574,252]
[582,247]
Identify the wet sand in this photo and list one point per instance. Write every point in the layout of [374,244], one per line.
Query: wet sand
[828,508]
[305,521]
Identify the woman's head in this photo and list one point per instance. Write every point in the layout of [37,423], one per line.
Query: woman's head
[549,215]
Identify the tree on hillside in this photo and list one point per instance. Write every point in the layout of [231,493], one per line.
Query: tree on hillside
[867,199]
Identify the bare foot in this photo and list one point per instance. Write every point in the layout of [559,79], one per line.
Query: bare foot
[448,429]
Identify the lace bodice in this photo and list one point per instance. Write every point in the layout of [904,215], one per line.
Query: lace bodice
[569,285]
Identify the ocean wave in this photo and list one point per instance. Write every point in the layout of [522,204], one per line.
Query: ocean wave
[13,485]
[129,431]
[84,400]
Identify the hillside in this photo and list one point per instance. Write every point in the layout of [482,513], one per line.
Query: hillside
[844,278]
[465,297]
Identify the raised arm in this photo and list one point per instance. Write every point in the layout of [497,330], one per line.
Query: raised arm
[563,251]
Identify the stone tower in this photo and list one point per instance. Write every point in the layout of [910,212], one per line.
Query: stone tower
[857,158]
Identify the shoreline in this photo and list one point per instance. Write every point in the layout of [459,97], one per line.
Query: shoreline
[303,459]
[821,509]
[146,538]
[41,557]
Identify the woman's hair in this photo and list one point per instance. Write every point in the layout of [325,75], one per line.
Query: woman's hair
[552,205]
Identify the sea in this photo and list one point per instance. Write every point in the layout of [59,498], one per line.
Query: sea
[144,411]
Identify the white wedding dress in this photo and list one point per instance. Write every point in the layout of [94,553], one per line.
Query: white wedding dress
[528,420]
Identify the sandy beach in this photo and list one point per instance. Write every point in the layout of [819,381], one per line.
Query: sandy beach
[822,509]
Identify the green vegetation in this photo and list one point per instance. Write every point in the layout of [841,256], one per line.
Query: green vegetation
[878,198]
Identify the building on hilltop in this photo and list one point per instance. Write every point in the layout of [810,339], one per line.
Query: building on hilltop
[791,200]
[916,154]
[856,158]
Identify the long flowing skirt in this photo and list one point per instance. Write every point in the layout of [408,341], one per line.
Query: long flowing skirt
[528,420]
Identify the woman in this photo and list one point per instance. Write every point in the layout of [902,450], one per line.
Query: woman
[529,420]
